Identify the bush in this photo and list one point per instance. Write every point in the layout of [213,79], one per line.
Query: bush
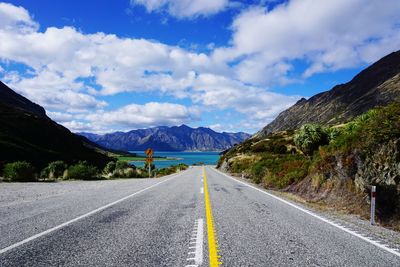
[54,170]
[129,172]
[20,171]
[257,171]
[172,169]
[375,127]
[82,171]
[121,169]
[110,167]
[122,165]
[310,137]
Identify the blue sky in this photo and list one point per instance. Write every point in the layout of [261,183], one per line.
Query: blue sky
[102,66]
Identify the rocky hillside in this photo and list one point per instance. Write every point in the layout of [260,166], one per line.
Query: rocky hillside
[378,85]
[334,166]
[26,133]
[177,138]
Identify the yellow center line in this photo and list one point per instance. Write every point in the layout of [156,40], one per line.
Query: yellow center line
[211,233]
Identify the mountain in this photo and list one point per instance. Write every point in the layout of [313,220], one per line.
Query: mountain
[26,133]
[377,85]
[177,138]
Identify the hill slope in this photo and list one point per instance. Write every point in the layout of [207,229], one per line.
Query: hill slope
[26,133]
[182,138]
[378,85]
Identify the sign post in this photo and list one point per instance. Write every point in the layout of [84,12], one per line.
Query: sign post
[373,199]
[149,152]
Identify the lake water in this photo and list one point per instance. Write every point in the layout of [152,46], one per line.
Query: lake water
[189,158]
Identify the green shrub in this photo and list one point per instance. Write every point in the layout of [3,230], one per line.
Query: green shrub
[172,169]
[129,172]
[332,133]
[368,130]
[122,165]
[279,149]
[20,171]
[82,171]
[310,137]
[257,172]
[110,167]
[54,170]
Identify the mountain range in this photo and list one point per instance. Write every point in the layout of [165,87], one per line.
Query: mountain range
[377,85]
[176,138]
[26,133]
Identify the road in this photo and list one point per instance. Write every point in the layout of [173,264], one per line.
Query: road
[188,219]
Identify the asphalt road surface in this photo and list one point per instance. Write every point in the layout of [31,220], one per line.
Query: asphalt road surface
[186,219]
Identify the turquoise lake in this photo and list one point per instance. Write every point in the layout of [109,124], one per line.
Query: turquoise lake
[189,158]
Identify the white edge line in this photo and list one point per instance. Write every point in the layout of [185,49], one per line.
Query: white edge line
[394,252]
[6,249]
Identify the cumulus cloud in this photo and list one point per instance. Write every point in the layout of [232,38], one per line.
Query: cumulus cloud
[183,8]
[79,126]
[16,18]
[148,115]
[266,43]
[223,93]
[329,35]
[61,58]
[53,91]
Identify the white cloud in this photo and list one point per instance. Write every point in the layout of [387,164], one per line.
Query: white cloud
[148,115]
[16,18]
[323,35]
[183,8]
[60,116]
[54,91]
[329,35]
[78,126]
[223,93]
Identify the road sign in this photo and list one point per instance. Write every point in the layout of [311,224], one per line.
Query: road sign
[149,152]
[149,160]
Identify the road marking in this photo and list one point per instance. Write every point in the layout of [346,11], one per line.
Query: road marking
[202,190]
[48,231]
[211,233]
[197,235]
[373,242]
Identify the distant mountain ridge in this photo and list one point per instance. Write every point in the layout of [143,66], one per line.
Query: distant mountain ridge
[26,133]
[176,138]
[377,85]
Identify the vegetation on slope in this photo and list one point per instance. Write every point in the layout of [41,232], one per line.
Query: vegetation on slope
[22,171]
[38,140]
[377,85]
[335,165]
